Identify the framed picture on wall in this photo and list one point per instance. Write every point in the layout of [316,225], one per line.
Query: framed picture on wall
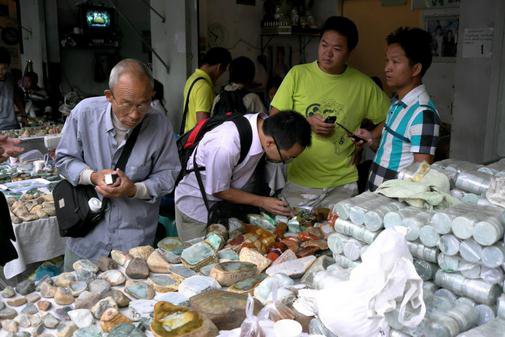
[444,31]
[434,4]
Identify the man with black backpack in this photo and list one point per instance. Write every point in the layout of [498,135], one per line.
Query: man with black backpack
[236,97]
[221,172]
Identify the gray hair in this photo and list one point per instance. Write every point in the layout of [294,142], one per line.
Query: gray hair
[130,66]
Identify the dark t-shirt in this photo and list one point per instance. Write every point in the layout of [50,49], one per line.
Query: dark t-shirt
[8,119]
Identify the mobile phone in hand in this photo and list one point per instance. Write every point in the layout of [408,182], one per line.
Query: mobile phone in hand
[330,119]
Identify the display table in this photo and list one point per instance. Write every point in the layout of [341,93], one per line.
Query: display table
[36,241]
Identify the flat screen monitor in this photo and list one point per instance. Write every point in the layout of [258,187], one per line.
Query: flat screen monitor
[97,19]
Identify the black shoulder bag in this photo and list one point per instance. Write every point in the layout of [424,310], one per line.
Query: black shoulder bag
[75,219]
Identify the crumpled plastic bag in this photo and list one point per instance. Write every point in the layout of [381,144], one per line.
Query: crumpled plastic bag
[386,280]
[496,192]
[275,310]
[250,326]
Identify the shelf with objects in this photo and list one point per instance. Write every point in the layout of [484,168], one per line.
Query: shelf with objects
[303,35]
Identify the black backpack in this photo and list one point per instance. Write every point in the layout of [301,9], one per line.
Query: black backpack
[187,143]
[231,102]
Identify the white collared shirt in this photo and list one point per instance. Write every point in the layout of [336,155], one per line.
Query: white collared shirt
[218,152]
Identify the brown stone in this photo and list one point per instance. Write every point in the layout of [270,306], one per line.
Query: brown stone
[141,252]
[63,296]
[44,305]
[112,318]
[157,264]
[17,302]
[137,269]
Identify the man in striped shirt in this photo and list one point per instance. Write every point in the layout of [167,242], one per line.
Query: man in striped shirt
[412,124]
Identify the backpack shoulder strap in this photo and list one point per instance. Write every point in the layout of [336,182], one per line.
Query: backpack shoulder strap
[245,134]
[185,113]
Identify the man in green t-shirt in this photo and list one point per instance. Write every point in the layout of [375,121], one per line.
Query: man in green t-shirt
[328,91]
[201,97]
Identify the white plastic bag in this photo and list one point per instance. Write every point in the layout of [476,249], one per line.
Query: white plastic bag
[250,326]
[356,308]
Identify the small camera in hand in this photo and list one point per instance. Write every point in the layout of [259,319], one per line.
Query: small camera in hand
[110,178]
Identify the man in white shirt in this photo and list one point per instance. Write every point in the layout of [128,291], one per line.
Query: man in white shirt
[280,138]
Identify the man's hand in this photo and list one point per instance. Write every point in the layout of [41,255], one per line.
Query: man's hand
[98,177]
[365,134]
[319,126]
[122,188]
[275,206]
[8,146]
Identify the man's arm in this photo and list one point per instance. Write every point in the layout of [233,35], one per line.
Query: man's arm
[420,157]
[69,160]
[165,167]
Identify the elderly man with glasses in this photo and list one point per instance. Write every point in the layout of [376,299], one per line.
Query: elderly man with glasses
[92,140]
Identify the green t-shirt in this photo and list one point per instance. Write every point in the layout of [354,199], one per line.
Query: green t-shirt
[201,97]
[351,97]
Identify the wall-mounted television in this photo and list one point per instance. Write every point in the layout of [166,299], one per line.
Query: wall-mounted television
[97,19]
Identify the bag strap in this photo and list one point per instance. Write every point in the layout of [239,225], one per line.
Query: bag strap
[245,134]
[185,113]
[128,147]
[125,155]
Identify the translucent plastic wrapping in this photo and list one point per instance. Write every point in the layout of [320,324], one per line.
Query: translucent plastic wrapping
[474,182]
[490,329]
[422,252]
[358,232]
[476,290]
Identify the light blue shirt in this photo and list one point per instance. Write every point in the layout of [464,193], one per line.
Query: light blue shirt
[88,142]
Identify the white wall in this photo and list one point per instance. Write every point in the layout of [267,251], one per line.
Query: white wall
[175,40]
[476,115]
[242,27]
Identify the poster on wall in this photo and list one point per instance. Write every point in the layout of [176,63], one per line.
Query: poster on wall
[435,4]
[444,32]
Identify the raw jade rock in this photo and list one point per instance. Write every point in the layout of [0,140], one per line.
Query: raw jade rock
[120,257]
[16,302]
[63,296]
[106,263]
[91,331]
[139,290]
[137,269]
[64,279]
[157,263]
[99,286]
[8,292]
[119,297]
[26,287]
[126,330]
[78,287]
[30,309]
[293,268]
[99,308]
[141,252]
[114,277]
[50,321]
[162,283]
[81,317]
[85,264]
[33,297]
[62,313]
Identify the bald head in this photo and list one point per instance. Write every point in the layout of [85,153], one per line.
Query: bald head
[134,69]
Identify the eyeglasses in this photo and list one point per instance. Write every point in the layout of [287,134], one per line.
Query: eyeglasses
[143,107]
[284,161]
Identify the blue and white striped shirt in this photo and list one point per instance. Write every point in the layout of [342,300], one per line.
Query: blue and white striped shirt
[412,126]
